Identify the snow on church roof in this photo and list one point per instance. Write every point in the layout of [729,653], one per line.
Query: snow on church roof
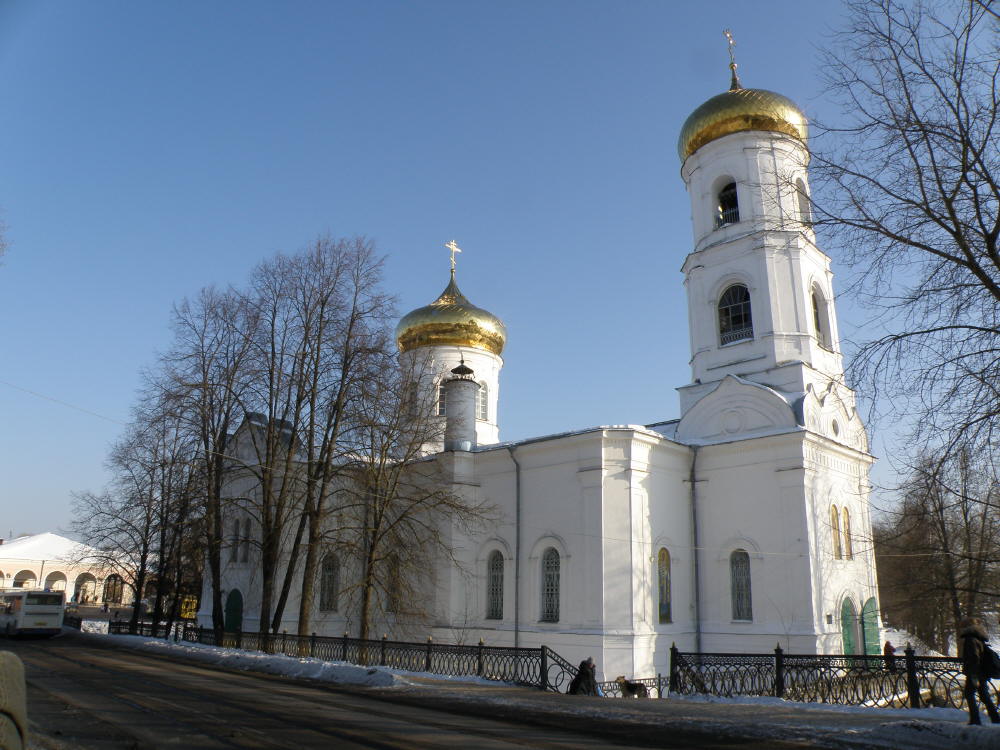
[46,546]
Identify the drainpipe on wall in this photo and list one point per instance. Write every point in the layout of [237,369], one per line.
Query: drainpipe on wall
[517,548]
[695,549]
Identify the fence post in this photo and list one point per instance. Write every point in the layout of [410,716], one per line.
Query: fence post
[381,660]
[779,671]
[543,679]
[239,639]
[427,662]
[659,685]
[312,644]
[912,686]
[673,668]
[343,656]
[479,659]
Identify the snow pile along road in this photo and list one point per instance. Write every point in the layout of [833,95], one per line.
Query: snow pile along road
[760,718]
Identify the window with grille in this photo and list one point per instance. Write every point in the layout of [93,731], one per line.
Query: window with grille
[848,547]
[442,402]
[329,583]
[494,586]
[245,544]
[735,318]
[234,546]
[835,531]
[550,586]
[728,210]
[739,574]
[483,402]
[663,584]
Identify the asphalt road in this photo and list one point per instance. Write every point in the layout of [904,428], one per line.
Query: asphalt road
[85,695]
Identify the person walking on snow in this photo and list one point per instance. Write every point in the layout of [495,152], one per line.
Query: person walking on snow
[973,640]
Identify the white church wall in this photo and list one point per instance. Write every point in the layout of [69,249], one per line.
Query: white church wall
[746,501]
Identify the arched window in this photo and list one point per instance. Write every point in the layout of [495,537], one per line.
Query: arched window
[329,584]
[848,547]
[494,586]
[442,401]
[805,212]
[735,319]
[245,556]
[483,402]
[550,585]
[234,546]
[114,589]
[663,583]
[835,531]
[728,210]
[739,576]
[821,318]
[394,584]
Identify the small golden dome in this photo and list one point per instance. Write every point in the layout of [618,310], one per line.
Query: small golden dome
[738,110]
[451,320]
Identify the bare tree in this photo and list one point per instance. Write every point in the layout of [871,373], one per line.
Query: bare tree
[908,190]
[400,512]
[201,383]
[939,553]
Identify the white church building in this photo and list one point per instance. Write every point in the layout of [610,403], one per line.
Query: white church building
[743,524]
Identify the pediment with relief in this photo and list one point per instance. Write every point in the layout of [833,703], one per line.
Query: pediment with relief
[735,409]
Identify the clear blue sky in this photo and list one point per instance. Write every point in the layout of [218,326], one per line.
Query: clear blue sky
[149,149]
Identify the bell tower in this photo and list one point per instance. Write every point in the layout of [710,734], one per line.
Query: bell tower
[760,292]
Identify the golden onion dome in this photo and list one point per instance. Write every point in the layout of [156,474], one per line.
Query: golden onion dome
[451,320]
[738,110]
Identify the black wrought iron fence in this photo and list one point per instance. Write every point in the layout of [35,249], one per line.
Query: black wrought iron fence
[538,667]
[913,681]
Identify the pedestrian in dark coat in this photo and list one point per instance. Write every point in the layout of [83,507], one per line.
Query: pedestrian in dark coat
[889,652]
[973,642]
[585,682]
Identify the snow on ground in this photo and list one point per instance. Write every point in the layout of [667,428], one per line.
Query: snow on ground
[760,717]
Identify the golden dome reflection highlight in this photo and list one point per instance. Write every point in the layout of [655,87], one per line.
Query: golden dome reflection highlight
[738,110]
[451,320]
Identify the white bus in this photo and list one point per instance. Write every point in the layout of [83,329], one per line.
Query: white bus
[28,612]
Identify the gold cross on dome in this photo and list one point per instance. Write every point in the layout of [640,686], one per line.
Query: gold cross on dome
[453,246]
[734,81]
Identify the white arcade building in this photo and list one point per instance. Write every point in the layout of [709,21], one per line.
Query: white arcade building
[743,524]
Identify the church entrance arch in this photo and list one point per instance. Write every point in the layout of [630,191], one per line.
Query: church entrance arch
[849,627]
[869,628]
[234,612]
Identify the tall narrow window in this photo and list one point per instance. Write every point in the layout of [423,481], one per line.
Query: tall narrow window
[394,585]
[729,207]
[663,583]
[550,585]
[739,576]
[735,318]
[821,323]
[245,543]
[805,212]
[494,586]
[483,402]
[442,402]
[234,545]
[835,531]
[329,583]
[848,547]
